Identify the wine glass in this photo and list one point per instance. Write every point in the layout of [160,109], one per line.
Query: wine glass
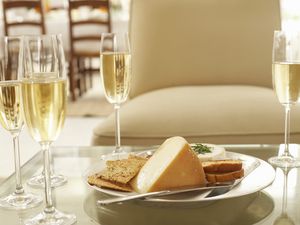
[11,116]
[286,82]
[284,218]
[44,98]
[40,68]
[115,70]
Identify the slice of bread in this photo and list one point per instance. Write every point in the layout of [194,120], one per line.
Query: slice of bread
[222,166]
[224,177]
[97,181]
[122,171]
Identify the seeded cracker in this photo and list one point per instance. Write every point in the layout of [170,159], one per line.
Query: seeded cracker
[122,171]
[95,180]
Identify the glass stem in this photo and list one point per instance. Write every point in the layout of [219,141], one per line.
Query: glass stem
[287,131]
[51,169]
[48,192]
[117,129]
[19,187]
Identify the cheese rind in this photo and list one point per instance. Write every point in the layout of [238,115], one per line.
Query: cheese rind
[173,165]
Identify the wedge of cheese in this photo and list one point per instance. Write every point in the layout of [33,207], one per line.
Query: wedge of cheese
[174,165]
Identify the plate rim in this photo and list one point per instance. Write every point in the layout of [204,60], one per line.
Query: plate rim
[227,195]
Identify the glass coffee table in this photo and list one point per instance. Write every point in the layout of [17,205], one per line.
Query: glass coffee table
[262,207]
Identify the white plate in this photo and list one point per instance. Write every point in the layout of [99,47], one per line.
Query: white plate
[257,180]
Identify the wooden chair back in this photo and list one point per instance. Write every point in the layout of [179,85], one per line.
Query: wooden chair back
[28,4]
[94,4]
[86,40]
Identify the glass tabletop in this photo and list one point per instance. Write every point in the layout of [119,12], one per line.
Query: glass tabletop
[76,196]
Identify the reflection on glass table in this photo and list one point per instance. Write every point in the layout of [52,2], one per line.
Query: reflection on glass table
[284,218]
[259,208]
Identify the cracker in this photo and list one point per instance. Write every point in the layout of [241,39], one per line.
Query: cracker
[122,171]
[95,180]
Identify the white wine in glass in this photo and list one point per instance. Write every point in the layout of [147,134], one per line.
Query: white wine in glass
[50,96]
[286,82]
[44,133]
[115,70]
[11,117]
[286,79]
[44,98]
[116,76]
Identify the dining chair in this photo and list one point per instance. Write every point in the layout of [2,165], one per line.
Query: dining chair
[23,20]
[201,70]
[87,20]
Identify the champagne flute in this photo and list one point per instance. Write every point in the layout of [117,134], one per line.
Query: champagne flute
[44,97]
[11,116]
[39,68]
[115,70]
[286,82]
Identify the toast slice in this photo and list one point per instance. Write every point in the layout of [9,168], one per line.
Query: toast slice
[222,166]
[224,177]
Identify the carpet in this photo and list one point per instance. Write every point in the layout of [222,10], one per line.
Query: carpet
[90,107]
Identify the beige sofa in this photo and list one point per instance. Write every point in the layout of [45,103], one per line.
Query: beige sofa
[202,70]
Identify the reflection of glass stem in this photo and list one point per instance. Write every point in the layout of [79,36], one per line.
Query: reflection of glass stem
[21,217]
[284,219]
[285,183]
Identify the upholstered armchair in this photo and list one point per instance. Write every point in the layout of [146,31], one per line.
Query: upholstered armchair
[202,70]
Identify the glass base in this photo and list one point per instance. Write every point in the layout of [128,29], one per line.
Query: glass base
[114,156]
[56,218]
[20,201]
[38,181]
[284,161]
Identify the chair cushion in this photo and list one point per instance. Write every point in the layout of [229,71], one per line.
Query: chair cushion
[228,114]
[196,42]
